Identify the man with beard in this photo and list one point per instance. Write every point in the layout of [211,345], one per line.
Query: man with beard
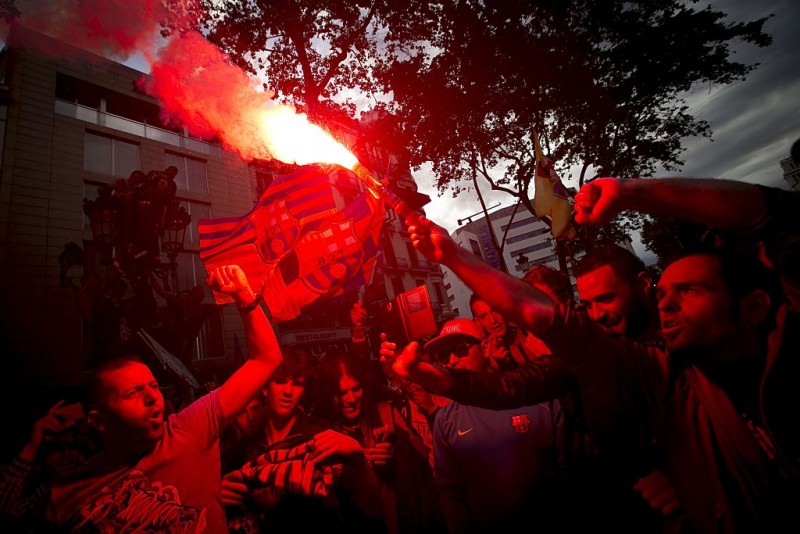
[720,397]
[155,474]
[619,466]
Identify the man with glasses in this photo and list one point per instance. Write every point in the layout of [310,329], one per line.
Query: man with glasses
[491,466]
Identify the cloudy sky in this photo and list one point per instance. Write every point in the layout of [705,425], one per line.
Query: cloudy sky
[754,122]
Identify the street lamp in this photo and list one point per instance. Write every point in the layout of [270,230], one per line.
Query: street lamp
[133,221]
[176,220]
[129,218]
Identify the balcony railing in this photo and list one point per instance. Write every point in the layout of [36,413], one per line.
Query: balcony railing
[122,124]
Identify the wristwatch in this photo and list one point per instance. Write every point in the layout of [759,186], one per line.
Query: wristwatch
[247,308]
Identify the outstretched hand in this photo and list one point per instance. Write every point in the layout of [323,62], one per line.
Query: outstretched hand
[231,280]
[404,363]
[598,201]
[409,365]
[45,428]
[430,239]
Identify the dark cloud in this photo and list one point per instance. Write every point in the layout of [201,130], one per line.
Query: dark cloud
[754,122]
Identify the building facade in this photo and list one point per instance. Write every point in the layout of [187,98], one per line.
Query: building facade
[71,126]
[791,173]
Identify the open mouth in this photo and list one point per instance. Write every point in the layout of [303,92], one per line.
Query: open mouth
[670,329]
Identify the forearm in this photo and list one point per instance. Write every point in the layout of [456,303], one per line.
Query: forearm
[542,380]
[723,204]
[264,358]
[511,297]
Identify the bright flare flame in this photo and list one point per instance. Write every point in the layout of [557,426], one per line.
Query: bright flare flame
[291,138]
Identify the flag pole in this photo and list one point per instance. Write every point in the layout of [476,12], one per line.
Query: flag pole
[398,205]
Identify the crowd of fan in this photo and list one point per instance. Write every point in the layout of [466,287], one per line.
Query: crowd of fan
[646,404]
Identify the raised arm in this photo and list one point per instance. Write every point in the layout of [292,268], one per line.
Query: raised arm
[513,298]
[265,354]
[723,204]
[541,380]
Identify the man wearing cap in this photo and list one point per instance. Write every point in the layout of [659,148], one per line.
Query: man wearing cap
[491,466]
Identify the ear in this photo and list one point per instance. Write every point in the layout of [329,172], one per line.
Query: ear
[755,306]
[644,285]
[94,420]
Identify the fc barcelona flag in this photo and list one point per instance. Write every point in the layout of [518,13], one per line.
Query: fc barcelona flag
[313,232]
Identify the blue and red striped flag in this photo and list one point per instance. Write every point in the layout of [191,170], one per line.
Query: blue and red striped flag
[313,232]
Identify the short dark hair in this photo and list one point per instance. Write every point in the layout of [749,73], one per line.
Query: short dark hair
[474,298]
[295,364]
[743,273]
[622,261]
[555,283]
[95,386]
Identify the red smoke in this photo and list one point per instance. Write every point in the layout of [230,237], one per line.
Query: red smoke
[203,91]
[114,28]
[197,86]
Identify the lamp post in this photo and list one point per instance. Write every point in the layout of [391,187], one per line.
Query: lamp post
[133,221]
[130,217]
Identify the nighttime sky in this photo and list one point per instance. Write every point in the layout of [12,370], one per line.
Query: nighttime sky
[754,122]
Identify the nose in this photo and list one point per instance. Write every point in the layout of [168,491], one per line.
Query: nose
[348,397]
[596,313]
[453,361]
[667,302]
[150,396]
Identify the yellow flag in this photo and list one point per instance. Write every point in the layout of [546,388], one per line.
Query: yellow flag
[550,197]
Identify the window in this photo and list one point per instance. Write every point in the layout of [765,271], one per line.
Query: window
[527,235]
[397,285]
[538,246]
[476,248]
[521,222]
[412,254]
[192,174]
[441,295]
[110,156]
[388,251]
[198,211]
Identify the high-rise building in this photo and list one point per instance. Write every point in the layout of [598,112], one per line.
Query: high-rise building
[791,173]
[525,240]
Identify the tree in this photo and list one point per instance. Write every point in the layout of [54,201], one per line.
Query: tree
[318,55]
[601,81]
[465,84]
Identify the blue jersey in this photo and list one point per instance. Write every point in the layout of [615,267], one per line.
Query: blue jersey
[490,464]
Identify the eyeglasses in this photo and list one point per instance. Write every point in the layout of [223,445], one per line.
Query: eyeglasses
[459,351]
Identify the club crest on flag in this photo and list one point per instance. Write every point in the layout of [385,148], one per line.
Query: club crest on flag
[521,423]
[313,233]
